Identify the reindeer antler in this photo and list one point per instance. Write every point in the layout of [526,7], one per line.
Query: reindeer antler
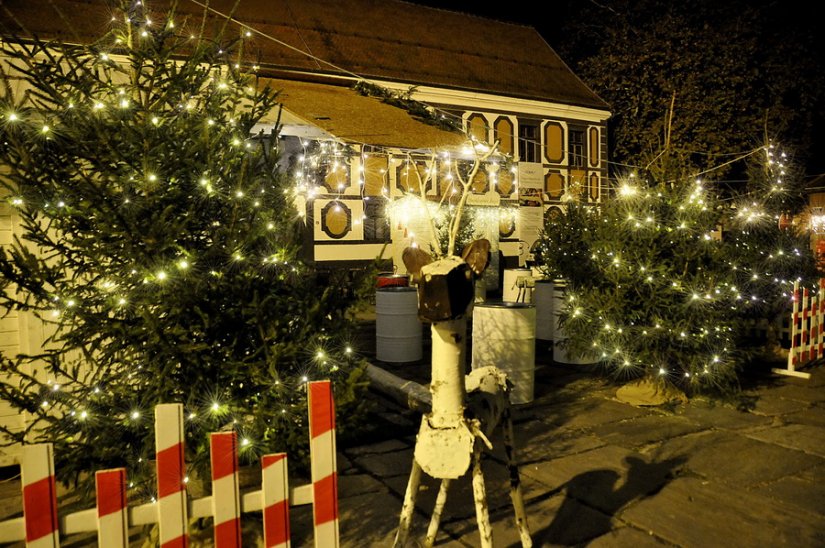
[465,191]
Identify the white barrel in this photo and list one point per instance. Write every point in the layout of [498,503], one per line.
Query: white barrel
[504,336]
[560,353]
[545,312]
[558,291]
[398,331]
[517,285]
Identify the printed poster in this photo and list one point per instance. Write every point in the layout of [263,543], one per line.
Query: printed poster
[531,208]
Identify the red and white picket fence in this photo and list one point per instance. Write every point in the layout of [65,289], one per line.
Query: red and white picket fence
[807,329]
[40,526]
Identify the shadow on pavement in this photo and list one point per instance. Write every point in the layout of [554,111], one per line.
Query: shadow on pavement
[603,491]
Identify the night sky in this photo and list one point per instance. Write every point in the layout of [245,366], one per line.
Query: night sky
[788,16]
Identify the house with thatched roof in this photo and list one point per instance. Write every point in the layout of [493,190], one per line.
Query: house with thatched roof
[382,100]
[379,83]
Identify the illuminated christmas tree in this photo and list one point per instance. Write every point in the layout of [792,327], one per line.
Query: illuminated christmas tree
[159,249]
[666,278]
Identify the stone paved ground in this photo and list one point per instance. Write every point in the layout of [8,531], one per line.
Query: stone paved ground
[603,473]
[599,472]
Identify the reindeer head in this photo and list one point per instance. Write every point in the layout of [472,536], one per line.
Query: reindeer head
[445,286]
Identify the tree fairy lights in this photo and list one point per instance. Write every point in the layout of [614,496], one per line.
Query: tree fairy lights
[159,249]
[664,278]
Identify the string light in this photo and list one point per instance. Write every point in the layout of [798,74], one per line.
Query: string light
[312,169]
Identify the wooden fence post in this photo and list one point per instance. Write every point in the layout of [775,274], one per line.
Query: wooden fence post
[226,502]
[323,464]
[112,517]
[39,496]
[275,492]
[173,510]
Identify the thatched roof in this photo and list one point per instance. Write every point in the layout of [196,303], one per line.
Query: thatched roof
[354,118]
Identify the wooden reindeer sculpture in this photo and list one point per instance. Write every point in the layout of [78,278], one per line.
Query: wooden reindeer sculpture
[451,435]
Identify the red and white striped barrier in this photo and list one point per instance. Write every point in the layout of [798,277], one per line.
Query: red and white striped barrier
[39,496]
[812,345]
[112,518]
[226,502]
[276,500]
[173,514]
[820,335]
[803,317]
[807,330]
[324,468]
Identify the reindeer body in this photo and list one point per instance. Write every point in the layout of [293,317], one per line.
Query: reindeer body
[449,439]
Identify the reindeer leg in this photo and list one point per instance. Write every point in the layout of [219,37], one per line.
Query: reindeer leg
[409,507]
[515,480]
[480,497]
[435,521]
